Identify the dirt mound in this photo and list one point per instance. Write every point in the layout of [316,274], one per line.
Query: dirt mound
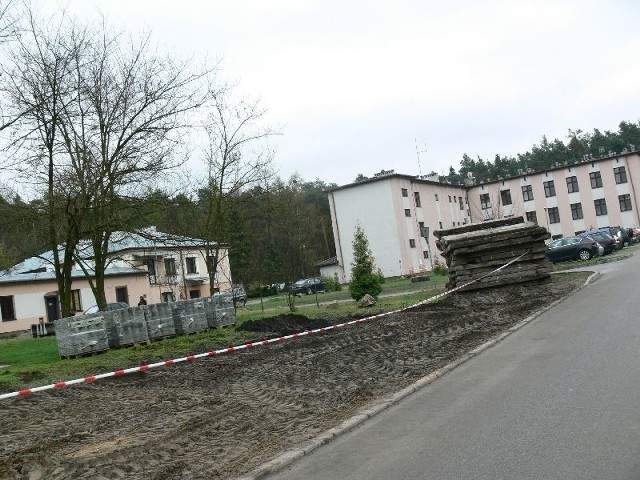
[284,324]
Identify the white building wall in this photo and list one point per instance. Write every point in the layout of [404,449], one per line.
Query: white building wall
[381,209]
[371,206]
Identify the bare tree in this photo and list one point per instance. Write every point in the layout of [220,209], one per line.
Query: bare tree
[237,159]
[106,120]
[124,129]
[37,87]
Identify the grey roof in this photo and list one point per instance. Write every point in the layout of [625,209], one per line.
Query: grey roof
[146,239]
[14,277]
[327,262]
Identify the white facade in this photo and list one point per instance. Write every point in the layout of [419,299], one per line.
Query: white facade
[391,208]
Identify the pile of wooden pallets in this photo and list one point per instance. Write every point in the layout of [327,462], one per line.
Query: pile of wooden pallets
[473,251]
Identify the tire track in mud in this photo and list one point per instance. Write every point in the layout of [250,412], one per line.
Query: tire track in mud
[224,416]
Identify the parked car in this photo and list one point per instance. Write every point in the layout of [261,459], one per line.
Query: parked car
[629,236]
[616,233]
[110,307]
[308,286]
[239,295]
[607,241]
[572,248]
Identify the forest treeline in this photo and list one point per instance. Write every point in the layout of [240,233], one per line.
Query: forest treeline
[547,154]
[275,233]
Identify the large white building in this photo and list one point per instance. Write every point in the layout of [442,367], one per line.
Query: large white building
[395,210]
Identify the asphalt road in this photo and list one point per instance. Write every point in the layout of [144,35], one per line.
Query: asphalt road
[558,399]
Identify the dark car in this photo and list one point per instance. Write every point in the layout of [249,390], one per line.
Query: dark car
[607,241]
[616,233]
[572,248]
[239,295]
[307,286]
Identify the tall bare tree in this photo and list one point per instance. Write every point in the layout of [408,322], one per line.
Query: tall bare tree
[37,86]
[106,118]
[237,159]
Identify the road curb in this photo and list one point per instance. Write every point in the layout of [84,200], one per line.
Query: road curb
[290,456]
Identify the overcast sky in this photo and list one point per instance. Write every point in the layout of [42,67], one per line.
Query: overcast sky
[356,84]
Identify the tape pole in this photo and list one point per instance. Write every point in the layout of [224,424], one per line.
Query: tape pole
[246,346]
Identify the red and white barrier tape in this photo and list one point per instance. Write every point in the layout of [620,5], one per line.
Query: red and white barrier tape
[246,346]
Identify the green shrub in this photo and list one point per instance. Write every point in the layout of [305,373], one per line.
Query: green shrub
[365,278]
[332,284]
[439,268]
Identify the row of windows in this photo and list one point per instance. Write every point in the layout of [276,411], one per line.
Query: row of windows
[600,206]
[170,265]
[595,178]
[550,189]
[416,196]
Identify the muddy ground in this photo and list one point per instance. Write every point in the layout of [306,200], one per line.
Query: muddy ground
[221,417]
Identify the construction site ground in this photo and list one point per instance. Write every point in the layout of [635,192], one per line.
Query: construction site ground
[224,416]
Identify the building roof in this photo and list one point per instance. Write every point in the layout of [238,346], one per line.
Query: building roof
[144,239]
[433,180]
[387,174]
[328,262]
[41,276]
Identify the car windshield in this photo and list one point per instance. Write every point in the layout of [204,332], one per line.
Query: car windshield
[300,283]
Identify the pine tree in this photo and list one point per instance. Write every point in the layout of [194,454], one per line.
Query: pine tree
[364,278]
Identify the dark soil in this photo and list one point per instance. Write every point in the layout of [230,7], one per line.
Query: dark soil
[224,416]
[284,324]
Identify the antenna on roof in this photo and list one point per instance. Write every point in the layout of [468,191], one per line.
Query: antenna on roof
[418,152]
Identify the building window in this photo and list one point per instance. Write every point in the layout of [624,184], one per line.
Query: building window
[572,184]
[425,254]
[625,202]
[170,266]
[601,206]
[576,211]
[596,179]
[454,199]
[436,197]
[549,189]
[150,263]
[76,306]
[554,215]
[416,196]
[440,225]
[407,212]
[620,174]
[405,193]
[6,305]
[532,217]
[527,193]
[485,202]
[412,243]
[461,205]
[505,197]
[449,198]
[191,265]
